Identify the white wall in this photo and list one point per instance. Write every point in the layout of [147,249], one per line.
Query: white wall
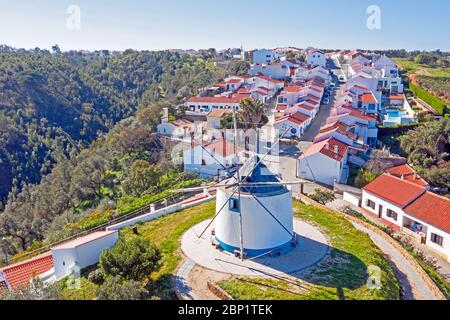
[82,256]
[351,198]
[324,169]
[260,229]
[386,205]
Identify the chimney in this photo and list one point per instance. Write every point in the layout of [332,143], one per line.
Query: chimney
[224,144]
[165,117]
[403,177]
[336,149]
[415,175]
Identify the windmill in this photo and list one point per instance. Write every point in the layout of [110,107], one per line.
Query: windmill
[253,209]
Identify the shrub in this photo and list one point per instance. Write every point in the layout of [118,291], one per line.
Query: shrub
[97,277]
[323,196]
[135,259]
[117,288]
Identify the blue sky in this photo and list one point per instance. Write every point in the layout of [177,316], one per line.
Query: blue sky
[162,24]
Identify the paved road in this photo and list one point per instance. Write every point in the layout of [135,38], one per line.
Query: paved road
[413,285]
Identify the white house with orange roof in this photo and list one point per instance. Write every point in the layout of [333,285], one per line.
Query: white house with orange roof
[406,205]
[298,122]
[370,102]
[365,126]
[211,159]
[325,162]
[339,131]
[204,105]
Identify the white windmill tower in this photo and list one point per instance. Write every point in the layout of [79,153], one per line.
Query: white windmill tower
[253,211]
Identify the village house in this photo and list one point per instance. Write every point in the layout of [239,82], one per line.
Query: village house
[365,126]
[263,56]
[215,117]
[325,162]
[315,57]
[298,122]
[406,205]
[212,159]
[276,70]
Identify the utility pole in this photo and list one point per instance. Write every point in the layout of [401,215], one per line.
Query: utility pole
[238,176]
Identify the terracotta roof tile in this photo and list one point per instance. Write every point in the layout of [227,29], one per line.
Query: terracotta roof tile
[394,190]
[408,174]
[23,272]
[432,209]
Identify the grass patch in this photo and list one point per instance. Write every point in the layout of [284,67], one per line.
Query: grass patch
[342,275]
[411,67]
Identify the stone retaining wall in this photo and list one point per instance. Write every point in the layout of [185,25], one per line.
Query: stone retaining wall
[218,291]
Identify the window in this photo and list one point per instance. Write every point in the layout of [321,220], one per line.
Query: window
[371,107]
[234,204]
[370,204]
[437,239]
[392,214]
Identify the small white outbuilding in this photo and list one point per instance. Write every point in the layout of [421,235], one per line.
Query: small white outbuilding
[82,252]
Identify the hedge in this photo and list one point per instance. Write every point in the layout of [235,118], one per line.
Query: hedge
[433,101]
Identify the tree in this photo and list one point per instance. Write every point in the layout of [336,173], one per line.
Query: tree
[35,290]
[135,259]
[323,196]
[364,177]
[252,112]
[141,178]
[238,68]
[117,288]
[150,116]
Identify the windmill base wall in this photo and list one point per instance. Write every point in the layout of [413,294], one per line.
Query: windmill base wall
[283,249]
[261,232]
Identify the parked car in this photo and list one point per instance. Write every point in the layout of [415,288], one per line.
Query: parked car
[326,101]
[332,85]
[341,78]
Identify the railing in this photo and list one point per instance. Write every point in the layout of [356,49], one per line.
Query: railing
[165,202]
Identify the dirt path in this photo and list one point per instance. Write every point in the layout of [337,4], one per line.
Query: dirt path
[413,285]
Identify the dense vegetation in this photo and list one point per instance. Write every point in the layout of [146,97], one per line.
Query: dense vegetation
[54,104]
[66,155]
[428,149]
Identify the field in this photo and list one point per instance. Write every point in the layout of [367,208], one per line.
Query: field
[342,275]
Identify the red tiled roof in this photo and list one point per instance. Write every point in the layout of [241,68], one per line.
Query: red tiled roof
[368,98]
[398,96]
[224,150]
[327,148]
[269,79]
[408,174]
[292,89]
[297,118]
[23,272]
[394,190]
[215,100]
[234,80]
[304,106]
[432,209]
[219,113]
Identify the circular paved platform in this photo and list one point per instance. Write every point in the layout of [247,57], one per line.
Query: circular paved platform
[312,247]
